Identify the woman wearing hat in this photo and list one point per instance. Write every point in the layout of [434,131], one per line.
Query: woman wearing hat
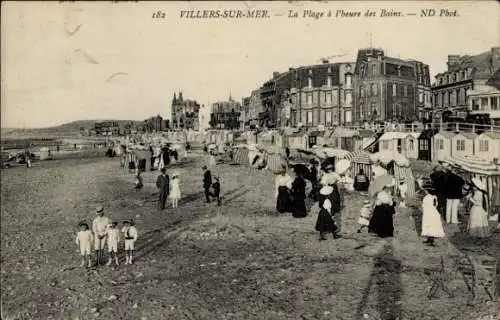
[328,202]
[478,219]
[431,219]
[314,179]
[382,222]
[283,190]
[299,209]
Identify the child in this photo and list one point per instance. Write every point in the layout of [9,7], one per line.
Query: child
[84,240]
[325,222]
[138,179]
[99,227]
[216,193]
[130,235]
[365,215]
[175,190]
[113,239]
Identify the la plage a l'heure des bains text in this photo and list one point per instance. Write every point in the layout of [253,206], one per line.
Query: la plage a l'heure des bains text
[224,14]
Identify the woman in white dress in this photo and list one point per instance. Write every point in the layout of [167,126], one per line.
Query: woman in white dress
[432,226]
[175,190]
[211,160]
[478,218]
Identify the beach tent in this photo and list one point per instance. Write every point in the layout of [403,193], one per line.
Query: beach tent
[463,144]
[393,142]
[470,166]
[240,154]
[425,144]
[361,160]
[274,161]
[488,146]
[441,145]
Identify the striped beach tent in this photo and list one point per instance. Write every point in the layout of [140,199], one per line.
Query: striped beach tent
[406,173]
[240,155]
[274,161]
[361,160]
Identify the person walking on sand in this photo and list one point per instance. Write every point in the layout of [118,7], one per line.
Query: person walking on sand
[99,227]
[130,235]
[175,191]
[207,182]
[84,239]
[113,239]
[163,184]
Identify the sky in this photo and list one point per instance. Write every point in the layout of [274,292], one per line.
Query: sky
[123,64]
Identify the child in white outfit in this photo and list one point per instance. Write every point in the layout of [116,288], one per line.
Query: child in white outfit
[130,236]
[84,240]
[365,215]
[175,191]
[113,235]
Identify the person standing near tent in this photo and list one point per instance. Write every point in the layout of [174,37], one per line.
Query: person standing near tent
[478,218]
[163,184]
[299,209]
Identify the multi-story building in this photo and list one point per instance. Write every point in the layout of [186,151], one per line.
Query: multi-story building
[451,89]
[252,107]
[485,98]
[309,96]
[156,124]
[226,115]
[106,128]
[185,113]
[386,88]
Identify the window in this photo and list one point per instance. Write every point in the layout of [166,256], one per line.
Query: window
[460,145]
[420,97]
[484,103]
[494,103]
[328,117]
[440,144]
[483,146]
[374,70]
[329,81]
[405,91]
[310,82]
[309,98]
[475,104]
[410,145]
[374,89]
[385,145]
[309,117]
[394,89]
[424,145]
[348,80]
[374,108]
[328,97]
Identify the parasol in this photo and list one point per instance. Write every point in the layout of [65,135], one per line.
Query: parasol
[379,183]
[342,166]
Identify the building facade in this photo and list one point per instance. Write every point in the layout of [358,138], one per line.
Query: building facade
[252,107]
[308,96]
[226,115]
[452,87]
[389,89]
[485,98]
[156,124]
[184,113]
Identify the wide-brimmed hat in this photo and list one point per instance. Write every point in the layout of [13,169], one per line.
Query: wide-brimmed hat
[129,221]
[479,184]
[326,190]
[99,209]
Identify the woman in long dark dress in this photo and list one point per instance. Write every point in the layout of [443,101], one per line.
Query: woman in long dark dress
[299,209]
[283,189]
[382,222]
[313,178]
[325,222]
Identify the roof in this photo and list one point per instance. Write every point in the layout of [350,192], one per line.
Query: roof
[393,135]
[491,134]
[446,134]
[366,133]
[316,133]
[414,135]
[344,132]
[298,134]
[480,62]
[480,89]
[428,133]
[494,81]
[468,135]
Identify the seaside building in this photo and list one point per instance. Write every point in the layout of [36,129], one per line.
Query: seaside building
[184,113]
[390,89]
[252,107]
[226,115]
[470,85]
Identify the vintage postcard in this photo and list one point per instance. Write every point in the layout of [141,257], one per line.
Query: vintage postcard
[250,160]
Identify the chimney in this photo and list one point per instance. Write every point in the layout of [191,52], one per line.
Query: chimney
[495,58]
[275,74]
[452,60]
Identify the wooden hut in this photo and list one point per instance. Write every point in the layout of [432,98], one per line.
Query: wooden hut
[487,146]
[441,145]
[361,160]
[412,145]
[313,138]
[463,144]
[425,144]
[346,138]
[393,142]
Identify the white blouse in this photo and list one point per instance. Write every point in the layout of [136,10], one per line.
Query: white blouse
[283,180]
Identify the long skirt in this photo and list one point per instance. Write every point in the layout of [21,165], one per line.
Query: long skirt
[382,223]
[284,201]
[478,222]
[325,222]
[299,209]
[431,223]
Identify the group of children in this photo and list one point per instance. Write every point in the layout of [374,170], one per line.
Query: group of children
[104,231]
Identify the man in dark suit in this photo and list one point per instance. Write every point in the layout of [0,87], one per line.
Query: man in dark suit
[207,182]
[163,184]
